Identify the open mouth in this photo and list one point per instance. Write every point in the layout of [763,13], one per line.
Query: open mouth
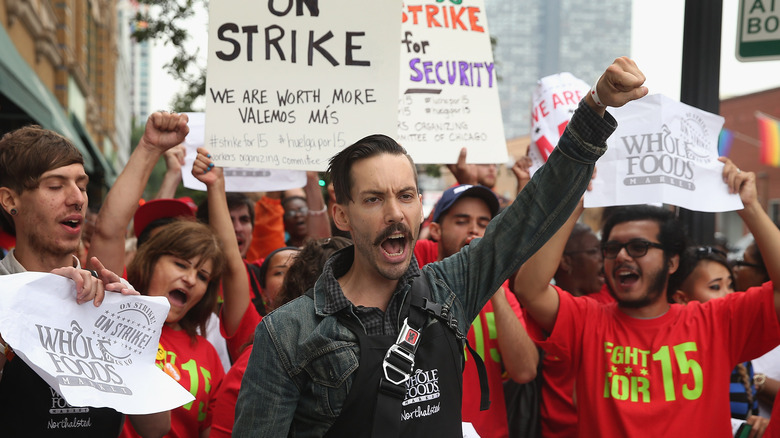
[394,245]
[71,223]
[393,240]
[626,277]
[177,297]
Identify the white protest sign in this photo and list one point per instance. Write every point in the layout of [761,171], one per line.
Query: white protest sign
[93,356]
[448,94]
[237,179]
[291,83]
[555,99]
[663,151]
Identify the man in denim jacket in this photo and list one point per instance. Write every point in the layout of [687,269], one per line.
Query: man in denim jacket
[305,359]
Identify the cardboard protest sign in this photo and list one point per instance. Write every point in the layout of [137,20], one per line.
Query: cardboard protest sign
[92,356]
[555,99]
[291,83]
[449,88]
[237,179]
[663,151]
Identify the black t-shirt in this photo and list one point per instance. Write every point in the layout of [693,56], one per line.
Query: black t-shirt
[29,407]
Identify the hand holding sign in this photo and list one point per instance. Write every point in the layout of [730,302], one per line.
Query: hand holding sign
[92,287]
[743,183]
[621,83]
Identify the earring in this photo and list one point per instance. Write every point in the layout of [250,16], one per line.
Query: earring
[13,212]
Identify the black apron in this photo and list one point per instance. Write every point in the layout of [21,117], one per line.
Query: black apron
[29,407]
[432,403]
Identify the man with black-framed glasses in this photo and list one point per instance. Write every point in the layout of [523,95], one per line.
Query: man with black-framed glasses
[643,366]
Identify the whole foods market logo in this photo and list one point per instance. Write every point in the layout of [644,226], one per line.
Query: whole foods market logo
[90,357]
[667,156]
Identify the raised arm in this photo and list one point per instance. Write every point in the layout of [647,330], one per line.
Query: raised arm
[545,204]
[532,282]
[163,131]
[235,287]
[174,160]
[518,352]
[318,219]
[765,232]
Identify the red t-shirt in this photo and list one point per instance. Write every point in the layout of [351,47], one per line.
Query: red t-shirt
[227,394]
[244,333]
[603,296]
[426,251]
[198,369]
[665,376]
[558,414]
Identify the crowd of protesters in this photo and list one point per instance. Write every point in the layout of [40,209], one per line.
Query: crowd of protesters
[517,317]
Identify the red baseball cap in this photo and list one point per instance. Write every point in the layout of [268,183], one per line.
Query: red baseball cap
[155,209]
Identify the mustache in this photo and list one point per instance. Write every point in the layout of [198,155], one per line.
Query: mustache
[392,229]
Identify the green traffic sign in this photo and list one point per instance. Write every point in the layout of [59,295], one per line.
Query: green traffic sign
[758,30]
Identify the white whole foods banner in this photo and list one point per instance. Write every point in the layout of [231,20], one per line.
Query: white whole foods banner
[92,356]
[663,151]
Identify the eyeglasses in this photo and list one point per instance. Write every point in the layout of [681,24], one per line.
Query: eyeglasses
[741,263]
[703,251]
[590,251]
[303,211]
[635,248]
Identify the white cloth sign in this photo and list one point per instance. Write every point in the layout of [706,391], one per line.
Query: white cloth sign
[290,84]
[236,179]
[663,151]
[92,356]
[449,87]
[555,99]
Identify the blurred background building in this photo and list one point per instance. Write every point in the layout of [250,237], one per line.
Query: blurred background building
[66,65]
[538,38]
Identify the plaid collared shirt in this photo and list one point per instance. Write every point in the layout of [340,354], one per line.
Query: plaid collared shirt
[374,320]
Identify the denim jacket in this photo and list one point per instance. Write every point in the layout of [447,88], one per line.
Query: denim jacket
[303,360]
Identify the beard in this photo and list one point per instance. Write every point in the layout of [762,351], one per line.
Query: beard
[42,244]
[655,289]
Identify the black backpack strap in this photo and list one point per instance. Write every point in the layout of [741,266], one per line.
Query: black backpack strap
[399,360]
[423,301]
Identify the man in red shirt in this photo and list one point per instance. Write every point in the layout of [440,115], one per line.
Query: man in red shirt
[643,366]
